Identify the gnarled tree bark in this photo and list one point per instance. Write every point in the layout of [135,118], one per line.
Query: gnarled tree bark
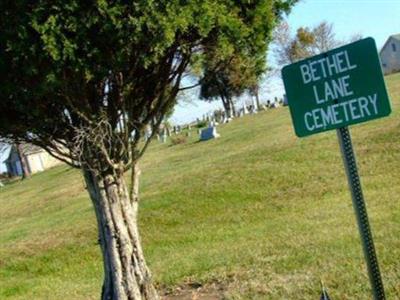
[126,275]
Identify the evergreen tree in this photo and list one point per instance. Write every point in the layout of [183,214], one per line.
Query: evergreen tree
[84,79]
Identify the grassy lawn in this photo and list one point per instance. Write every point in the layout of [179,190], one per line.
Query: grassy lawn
[262,213]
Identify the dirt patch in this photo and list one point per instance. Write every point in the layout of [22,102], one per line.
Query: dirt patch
[195,291]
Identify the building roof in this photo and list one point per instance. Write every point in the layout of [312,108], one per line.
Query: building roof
[396,36]
[4,152]
[30,149]
[393,36]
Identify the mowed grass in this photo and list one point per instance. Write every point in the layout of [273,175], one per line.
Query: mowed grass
[262,213]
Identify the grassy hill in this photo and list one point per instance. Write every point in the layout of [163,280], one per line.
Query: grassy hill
[258,212]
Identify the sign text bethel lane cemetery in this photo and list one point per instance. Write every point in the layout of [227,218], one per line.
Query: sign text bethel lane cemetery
[335,89]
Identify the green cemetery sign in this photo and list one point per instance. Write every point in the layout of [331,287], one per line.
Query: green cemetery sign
[331,91]
[335,89]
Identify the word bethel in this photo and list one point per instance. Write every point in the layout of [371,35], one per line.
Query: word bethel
[327,66]
[335,89]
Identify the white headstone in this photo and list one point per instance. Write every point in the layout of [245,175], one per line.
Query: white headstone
[163,138]
[244,109]
[255,106]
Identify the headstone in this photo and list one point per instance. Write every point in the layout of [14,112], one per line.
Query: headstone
[256,108]
[244,109]
[164,138]
[209,133]
[274,104]
[212,124]
[147,133]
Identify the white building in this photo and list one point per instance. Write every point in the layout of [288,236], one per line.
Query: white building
[35,158]
[390,55]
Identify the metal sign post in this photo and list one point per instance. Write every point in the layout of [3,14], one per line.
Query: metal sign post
[350,165]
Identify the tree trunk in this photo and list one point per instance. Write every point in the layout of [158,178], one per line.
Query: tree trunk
[126,275]
[257,101]
[227,106]
[232,106]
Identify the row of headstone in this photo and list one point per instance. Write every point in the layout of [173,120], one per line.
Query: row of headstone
[254,108]
[211,131]
[176,129]
[224,118]
[216,118]
[166,131]
[248,109]
[206,118]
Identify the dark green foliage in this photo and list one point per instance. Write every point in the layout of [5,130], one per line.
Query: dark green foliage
[231,77]
[201,124]
[65,66]
[86,79]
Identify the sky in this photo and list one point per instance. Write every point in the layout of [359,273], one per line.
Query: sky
[370,18]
